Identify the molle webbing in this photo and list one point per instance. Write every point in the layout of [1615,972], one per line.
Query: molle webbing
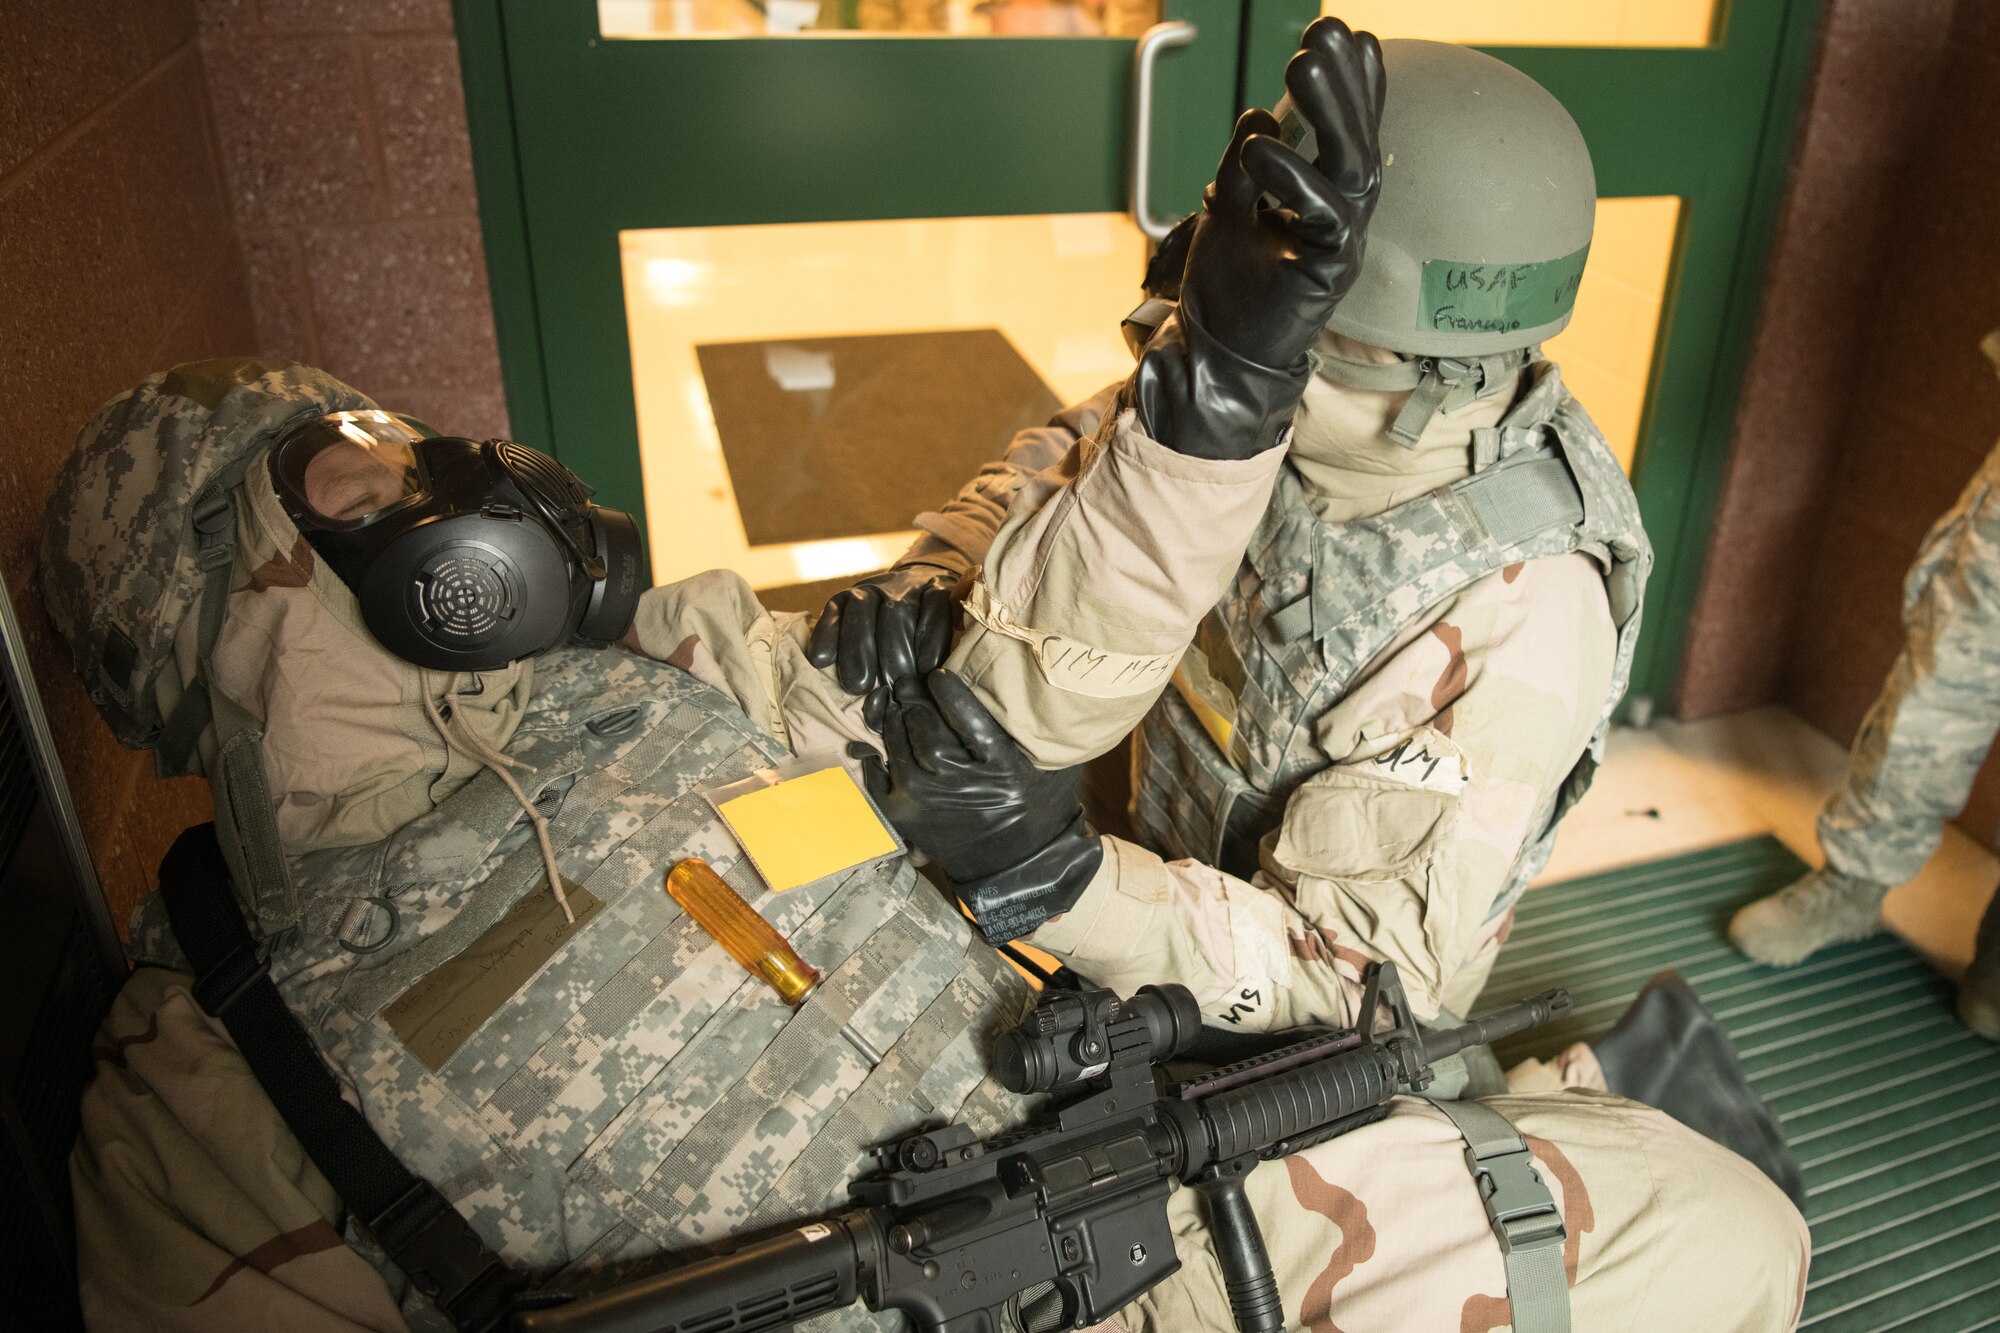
[1316,602]
[772,1075]
[490,812]
[593,1111]
[889,1100]
[873,1112]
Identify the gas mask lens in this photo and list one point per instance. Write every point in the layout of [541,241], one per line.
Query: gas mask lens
[351,467]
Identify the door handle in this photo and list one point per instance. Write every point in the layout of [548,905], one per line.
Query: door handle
[1160,37]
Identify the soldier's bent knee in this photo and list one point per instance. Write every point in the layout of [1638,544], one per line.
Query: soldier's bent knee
[1734,1251]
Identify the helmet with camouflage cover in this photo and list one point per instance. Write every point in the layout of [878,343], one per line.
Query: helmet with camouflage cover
[237,619]
[121,554]
[1488,197]
[140,541]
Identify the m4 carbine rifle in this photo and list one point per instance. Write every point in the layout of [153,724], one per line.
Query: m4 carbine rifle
[1063,1223]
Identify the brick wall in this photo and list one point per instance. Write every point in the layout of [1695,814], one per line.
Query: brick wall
[1926,408]
[1866,110]
[116,258]
[1866,405]
[349,167]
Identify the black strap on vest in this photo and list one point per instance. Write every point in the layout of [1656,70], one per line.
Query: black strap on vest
[424,1235]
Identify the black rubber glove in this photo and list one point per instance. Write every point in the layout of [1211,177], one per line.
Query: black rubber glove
[886,627]
[1009,836]
[1224,374]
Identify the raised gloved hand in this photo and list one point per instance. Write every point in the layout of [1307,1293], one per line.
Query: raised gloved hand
[1010,836]
[1223,376]
[886,627]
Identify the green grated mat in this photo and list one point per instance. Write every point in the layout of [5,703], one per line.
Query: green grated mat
[1892,1108]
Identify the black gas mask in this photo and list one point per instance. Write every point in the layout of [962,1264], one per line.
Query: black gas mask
[464,555]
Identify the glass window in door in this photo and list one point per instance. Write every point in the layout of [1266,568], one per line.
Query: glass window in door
[875,18]
[804,389]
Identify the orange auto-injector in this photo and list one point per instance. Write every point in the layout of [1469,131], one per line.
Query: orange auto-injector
[750,939]
[741,929]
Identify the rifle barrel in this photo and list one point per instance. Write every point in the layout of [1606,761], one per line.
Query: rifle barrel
[1487,1028]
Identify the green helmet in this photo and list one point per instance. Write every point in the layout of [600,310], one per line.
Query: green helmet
[1484,223]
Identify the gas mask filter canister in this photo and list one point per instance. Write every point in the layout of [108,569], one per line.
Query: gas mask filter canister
[464,555]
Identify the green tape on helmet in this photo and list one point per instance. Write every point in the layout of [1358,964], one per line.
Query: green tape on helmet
[1463,296]
[1488,202]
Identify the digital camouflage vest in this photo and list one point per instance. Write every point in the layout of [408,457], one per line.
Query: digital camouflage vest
[591,1099]
[1314,603]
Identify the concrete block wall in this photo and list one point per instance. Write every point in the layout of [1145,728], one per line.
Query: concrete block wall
[182,179]
[1877,65]
[1926,408]
[190,178]
[349,168]
[117,257]
[1867,404]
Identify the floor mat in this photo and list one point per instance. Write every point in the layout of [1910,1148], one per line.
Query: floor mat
[1892,1108]
[840,437]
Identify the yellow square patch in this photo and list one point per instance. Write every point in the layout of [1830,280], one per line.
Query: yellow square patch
[805,828]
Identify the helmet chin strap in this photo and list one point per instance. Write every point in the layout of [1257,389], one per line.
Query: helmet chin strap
[1435,383]
[1353,467]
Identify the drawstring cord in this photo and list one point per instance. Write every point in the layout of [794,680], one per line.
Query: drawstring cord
[469,744]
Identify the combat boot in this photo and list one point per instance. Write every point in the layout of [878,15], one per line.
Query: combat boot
[1669,1052]
[1979,993]
[1822,908]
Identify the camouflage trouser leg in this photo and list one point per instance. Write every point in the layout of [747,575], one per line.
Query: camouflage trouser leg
[196,1209]
[1922,743]
[1382,1230]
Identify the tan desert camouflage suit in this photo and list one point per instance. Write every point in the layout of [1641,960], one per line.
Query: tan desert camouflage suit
[195,1206]
[1443,757]
[636,1093]
[1922,743]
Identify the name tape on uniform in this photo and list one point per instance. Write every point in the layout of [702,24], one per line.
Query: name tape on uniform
[1070,664]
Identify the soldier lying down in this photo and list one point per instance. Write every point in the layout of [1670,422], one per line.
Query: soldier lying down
[631,1090]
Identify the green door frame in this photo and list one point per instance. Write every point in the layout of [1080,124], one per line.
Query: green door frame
[1724,147]
[1712,125]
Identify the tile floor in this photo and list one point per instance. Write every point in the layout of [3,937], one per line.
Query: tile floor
[1679,786]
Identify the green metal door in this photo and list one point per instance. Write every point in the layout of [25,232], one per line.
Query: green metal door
[582,138]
